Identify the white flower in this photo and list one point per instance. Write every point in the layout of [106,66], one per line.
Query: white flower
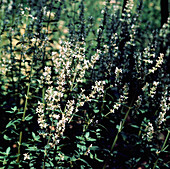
[26,156]
[112,111]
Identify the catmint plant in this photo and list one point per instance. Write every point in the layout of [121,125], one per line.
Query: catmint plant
[83,84]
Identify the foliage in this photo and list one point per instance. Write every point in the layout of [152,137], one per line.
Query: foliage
[84,84]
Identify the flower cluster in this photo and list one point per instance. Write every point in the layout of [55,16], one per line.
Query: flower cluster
[164,108]
[161,118]
[148,57]
[122,100]
[116,5]
[138,101]
[97,92]
[86,64]
[52,111]
[165,29]
[128,10]
[59,127]
[145,87]
[46,77]
[118,77]
[5,64]
[70,67]
[153,89]
[69,108]
[158,64]
[149,132]
[57,122]
[97,88]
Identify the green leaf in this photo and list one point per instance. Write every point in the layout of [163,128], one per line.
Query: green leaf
[102,127]
[85,162]
[153,149]
[81,147]
[168,117]
[14,156]
[124,136]
[83,166]
[95,100]
[47,164]
[94,148]
[80,138]
[73,158]
[47,146]
[25,144]
[2,153]
[34,148]
[10,111]
[87,135]
[11,123]
[19,112]
[98,130]
[66,157]
[52,165]
[14,109]
[57,158]
[29,117]
[135,126]
[22,77]
[142,111]
[96,111]
[98,158]
[33,135]
[8,150]
[91,156]
[6,137]
[91,139]
[118,127]
[137,160]
[1,157]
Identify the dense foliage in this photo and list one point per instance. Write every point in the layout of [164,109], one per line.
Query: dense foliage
[83,84]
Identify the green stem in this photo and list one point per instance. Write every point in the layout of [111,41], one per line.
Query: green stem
[45,152]
[102,107]
[155,164]
[74,77]
[104,97]
[43,100]
[120,129]
[117,135]
[24,113]
[140,130]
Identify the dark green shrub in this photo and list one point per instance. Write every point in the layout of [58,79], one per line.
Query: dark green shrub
[83,87]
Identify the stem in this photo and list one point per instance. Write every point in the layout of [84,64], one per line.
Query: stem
[74,77]
[104,97]
[116,138]
[43,99]
[140,130]
[45,152]
[155,164]
[120,129]
[23,117]
[44,88]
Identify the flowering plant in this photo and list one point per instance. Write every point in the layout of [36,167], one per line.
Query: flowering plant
[82,89]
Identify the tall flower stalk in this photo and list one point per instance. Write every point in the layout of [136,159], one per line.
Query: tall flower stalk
[24,112]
